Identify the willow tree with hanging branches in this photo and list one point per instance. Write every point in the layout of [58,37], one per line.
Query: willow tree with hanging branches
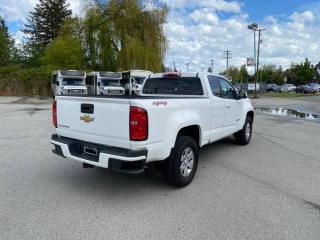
[123,34]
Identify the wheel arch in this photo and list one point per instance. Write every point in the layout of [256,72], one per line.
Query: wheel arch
[193,131]
[251,114]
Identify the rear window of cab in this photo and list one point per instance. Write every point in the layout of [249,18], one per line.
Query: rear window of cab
[173,86]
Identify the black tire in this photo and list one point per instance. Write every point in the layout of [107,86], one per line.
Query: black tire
[176,174]
[241,137]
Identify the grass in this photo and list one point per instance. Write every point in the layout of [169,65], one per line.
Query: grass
[284,94]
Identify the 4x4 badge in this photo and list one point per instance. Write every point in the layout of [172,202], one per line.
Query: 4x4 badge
[86,118]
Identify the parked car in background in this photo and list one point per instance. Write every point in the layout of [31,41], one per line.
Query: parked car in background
[272,87]
[300,89]
[68,82]
[287,88]
[312,88]
[104,83]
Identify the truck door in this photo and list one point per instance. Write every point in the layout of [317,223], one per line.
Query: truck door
[232,106]
[217,108]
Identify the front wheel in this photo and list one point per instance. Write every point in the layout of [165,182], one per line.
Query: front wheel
[182,164]
[243,137]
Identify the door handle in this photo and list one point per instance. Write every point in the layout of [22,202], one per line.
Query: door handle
[228,106]
[87,108]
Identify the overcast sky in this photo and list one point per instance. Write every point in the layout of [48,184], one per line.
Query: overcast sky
[200,30]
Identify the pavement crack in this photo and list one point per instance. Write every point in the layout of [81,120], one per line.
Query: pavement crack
[273,187]
[283,138]
[288,149]
[269,185]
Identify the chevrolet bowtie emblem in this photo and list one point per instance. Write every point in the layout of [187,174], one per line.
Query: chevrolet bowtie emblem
[86,118]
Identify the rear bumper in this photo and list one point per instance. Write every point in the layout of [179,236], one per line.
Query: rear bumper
[116,159]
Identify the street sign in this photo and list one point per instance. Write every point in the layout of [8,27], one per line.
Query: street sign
[250,70]
[250,61]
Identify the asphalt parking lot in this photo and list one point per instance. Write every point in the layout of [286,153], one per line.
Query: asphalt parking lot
[269,189]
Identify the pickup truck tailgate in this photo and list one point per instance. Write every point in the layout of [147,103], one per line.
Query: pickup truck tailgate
[97,120]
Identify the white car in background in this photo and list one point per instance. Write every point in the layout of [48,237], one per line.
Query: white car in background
[287,88]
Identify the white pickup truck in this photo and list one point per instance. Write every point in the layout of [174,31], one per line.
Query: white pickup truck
[176,115]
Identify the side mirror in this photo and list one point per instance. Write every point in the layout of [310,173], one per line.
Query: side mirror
[243,94]
[99,84]
[57,83]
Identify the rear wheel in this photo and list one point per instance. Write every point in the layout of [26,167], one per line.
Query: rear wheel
[182,164]
[243,137]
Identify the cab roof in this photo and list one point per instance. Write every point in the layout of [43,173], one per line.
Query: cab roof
[138,72]
[71,73]
[107,74]
[182,74]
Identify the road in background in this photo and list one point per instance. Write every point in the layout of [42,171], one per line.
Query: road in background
[266,190]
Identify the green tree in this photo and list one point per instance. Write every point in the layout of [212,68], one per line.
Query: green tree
[122,34]
[6,44]
[232,73]
[100,51]
[43,25]
[271,74]
[64,52]
[301,73]
[243,74]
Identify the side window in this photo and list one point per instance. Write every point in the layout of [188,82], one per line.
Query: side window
[227,90]
[175,86]
[190,86]
[54,78]
[215,85]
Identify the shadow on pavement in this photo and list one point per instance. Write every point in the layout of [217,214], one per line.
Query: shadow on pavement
[98,181]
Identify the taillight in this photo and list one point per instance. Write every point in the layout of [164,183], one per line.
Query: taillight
[138,124]
[172,75]
[54,114]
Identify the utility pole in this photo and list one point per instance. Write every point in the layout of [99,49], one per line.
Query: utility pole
[187,64]
[258,55]
[174,66]
[255,53]
[212,65]
[227,55]
[254,27]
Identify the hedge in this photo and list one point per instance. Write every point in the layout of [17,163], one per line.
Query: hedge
[16,80]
